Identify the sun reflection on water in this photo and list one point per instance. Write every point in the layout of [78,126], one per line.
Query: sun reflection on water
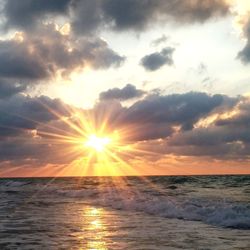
[95,229]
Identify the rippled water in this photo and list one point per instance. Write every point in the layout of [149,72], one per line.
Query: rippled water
[125,213]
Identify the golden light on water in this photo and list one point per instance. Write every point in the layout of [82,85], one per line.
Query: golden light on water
[96,228]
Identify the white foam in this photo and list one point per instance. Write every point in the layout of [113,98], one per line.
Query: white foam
[219,213]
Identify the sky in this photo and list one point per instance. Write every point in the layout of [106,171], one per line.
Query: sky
[124,87]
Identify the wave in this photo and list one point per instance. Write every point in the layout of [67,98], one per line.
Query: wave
[15,183]
[215,212]
[15,186]
[174,200]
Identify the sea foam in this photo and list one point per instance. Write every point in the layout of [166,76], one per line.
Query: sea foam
[215,212]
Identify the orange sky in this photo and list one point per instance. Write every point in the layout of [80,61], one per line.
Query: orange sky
[182,168]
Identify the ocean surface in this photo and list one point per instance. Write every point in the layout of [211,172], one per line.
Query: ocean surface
[195,212]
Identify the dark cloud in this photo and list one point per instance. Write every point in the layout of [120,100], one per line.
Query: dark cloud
[212,136]
[156,60]
[23,122]
[129,14]
[32,128]
[33,152]
[182,110]
[97,54]
[123,94]
[19,113]
[224,137]
[17,61]
[148,131]
[41,55]
[138,14]
[87,16]
[37,128]
[25,14]
[39,131]
[226,151]
[172,124]
[212,141]
[241,118]
[152,118]
[244,54]
[194,10]
[9,88]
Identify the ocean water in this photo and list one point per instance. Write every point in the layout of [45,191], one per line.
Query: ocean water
[160,212]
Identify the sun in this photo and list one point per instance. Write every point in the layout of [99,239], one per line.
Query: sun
[92,145]
[99,144]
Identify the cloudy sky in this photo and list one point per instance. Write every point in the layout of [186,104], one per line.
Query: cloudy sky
[166,82]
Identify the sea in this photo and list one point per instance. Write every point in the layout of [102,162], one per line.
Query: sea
[148,212]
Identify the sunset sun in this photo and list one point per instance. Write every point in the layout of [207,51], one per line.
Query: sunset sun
[99,144]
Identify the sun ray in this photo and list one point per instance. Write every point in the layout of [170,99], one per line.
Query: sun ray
[90,142]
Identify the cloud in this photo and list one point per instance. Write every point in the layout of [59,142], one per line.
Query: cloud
[88,16]
[26,14]
[47,52]
[19,113]
[223,137]
[244,54]
[32,152]
[37,128]
[159,40]
[156,60]
[240,117]
[202,69]
[192,124]
[139,14]
[127,92]
[220,141]
[213,136]
[9,88]
[167,124]
[176,109]
[23,120]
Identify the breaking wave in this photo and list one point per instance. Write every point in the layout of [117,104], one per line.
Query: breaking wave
[179,197]
[215,212]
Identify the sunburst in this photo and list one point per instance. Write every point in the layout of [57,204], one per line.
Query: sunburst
[99,144]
